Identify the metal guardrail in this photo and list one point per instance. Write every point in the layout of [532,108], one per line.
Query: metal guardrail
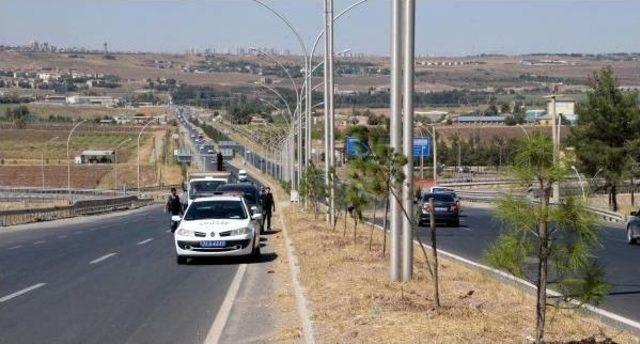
[493,196]
[80,208]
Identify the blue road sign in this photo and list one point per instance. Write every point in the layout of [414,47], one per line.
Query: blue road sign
[422,147]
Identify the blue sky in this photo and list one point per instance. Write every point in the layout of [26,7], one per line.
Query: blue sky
[444,27]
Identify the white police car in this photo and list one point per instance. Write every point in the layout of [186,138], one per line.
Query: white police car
[221,225]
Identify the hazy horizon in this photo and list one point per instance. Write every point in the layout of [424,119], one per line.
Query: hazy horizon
[444,28]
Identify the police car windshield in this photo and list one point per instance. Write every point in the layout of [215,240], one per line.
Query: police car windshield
[203,188]
[216,210]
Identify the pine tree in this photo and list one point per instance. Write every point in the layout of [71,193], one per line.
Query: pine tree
[561,238]
[607,132]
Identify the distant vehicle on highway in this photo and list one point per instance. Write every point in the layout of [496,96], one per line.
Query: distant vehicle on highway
[221,225]
[446,209]
[441,189]
[633,228]
[209,151]
[250,192]
[205,184]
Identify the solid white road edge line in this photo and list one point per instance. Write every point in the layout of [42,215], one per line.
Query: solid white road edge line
[507,276]
[106,256]
[215,332]
[145,241]
[20,292]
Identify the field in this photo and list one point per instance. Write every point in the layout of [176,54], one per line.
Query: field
[43,111]
[21,146]
[21,158]
[490,71]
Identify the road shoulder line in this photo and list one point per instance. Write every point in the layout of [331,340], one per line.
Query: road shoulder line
[215,332]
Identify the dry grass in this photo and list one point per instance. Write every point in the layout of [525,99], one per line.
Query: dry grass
[353,300]
[624,202]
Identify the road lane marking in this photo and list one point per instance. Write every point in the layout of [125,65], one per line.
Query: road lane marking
[145,241]
[76,233]
[168,231]
[20,292]
[61,236]
[15,247]
[39,242]
[215,332]
[106,256]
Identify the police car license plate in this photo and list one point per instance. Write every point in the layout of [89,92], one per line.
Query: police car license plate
[209,244]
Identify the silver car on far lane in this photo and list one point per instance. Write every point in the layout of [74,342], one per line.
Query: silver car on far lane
[633,228]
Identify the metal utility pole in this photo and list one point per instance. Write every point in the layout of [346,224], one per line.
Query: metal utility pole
[556,144]
[409,12]
[332,163]
[115,163]
[139,136]
[68,159]
[44,151]
[435,154]
[395,212]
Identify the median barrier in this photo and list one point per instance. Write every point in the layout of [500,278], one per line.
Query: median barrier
[80,208]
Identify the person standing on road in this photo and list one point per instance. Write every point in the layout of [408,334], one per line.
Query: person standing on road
[268,207]
[173,207]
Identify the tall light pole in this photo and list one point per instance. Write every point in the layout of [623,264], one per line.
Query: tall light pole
[407,190]
[395,219]
[115,161]
[305,54]
[140,135]
[43,151]
[68,159]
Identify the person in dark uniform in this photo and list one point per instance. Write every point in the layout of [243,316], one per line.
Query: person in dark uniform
[174,207]
[268,207]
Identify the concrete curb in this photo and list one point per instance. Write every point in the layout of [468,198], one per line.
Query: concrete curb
[302,304]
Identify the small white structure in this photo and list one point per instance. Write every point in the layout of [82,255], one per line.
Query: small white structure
[93,100]
[96,157]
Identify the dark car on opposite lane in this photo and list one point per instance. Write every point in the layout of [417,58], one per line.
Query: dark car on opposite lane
[446,209]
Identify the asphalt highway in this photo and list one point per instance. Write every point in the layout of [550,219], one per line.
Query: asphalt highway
[108,281]
[114,279]
[479,229]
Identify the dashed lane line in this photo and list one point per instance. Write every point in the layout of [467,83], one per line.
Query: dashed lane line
[15,247]
[99,259]
[40,242]
[21,292]
[145,241]
[61,236]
